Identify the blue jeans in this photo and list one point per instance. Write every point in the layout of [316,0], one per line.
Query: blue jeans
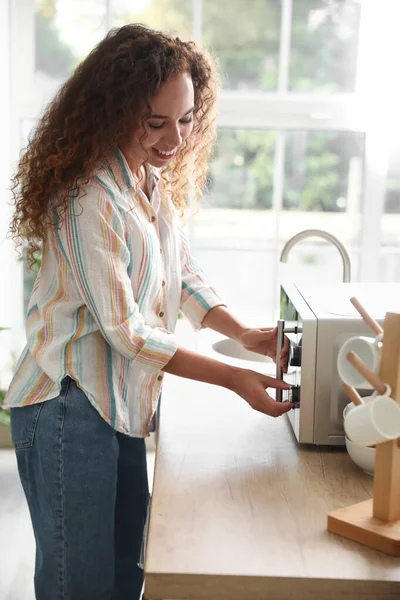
[87,491]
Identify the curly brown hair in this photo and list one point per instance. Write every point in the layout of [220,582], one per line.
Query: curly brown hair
[91,115]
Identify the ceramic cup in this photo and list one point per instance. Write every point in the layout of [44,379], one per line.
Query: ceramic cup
[373,422]
[369,350]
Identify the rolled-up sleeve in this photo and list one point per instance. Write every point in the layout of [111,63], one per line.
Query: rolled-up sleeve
[95,242]
[198,297]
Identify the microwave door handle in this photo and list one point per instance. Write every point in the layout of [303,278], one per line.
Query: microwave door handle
[279,345]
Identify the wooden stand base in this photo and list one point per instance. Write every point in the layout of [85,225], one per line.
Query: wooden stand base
[357,523]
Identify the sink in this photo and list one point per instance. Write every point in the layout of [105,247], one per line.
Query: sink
[233,349]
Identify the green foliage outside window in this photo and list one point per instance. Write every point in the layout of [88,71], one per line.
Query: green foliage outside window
[322,59]
[52,56]
[316,169]
[4,414]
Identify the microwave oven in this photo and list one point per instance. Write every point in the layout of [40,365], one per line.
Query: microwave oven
[318,319]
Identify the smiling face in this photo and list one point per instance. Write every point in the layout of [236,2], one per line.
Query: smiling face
[168,126]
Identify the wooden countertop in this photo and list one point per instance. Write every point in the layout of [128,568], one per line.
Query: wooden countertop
[239,510]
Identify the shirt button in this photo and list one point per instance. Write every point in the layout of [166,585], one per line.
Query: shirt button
[159,377]
[161,314]
[152,219]
[161,250]
[163,283]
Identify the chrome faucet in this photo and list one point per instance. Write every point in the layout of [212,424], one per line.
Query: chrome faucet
[302,235]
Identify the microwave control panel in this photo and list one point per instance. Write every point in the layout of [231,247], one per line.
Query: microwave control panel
[292,329]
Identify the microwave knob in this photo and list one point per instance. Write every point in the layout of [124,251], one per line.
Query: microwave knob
[294,395]
[295,360]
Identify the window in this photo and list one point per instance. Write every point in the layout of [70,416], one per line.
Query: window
[241,174]
[319,168]
[247,47]
[165,15]
[302,90]
[323,171]
[390,225]
[324,45]
[239,228]
[65,32]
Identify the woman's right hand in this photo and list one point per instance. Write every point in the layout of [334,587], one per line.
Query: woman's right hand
[252,386]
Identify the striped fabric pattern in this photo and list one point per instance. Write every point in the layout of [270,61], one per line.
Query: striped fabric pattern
[103,310]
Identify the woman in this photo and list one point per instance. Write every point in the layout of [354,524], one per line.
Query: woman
[97,192]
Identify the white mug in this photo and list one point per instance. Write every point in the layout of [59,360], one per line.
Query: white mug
[366,348]
[373,422]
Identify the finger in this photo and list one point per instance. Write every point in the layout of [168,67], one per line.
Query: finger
[272,408]
[276,383]
[286,343]
[284,354]
[284,407]
[284,361]
[286,346]
[272,331]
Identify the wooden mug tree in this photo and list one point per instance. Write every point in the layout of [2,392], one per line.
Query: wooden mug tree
[376,522]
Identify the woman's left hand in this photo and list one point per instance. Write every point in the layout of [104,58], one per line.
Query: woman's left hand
[263,341]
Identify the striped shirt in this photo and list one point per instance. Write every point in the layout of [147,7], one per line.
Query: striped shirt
[104,307]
